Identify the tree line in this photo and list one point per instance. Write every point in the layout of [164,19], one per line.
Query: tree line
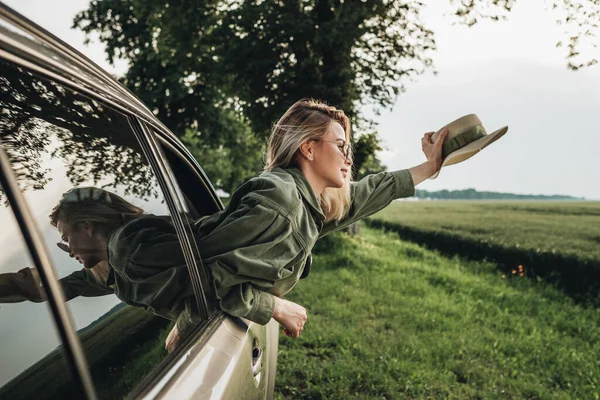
[472,194]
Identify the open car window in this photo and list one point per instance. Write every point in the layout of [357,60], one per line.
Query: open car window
[196,198]
[58,140]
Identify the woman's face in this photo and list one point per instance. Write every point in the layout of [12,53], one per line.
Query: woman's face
[330,164]
[87,247]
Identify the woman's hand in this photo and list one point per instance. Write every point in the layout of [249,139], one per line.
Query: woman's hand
[433,150]
[433,153]
[173,339]
[291,316]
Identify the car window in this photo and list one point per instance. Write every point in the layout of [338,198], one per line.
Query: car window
[201,199]
[123,269]
[197,199]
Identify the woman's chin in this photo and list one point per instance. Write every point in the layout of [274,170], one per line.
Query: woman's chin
[337,184]
[89,263]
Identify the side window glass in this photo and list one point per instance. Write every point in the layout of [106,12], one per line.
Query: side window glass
[199,197]
[109,234]
[27,333]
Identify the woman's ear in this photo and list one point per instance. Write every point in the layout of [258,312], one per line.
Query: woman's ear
[307,149]
[88,227]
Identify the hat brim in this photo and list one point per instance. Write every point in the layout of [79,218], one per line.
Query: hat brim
[471,149]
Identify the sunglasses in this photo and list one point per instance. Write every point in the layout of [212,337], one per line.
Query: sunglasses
[63,246]
[343,147]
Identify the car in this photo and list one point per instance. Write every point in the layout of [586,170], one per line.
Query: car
[64,123]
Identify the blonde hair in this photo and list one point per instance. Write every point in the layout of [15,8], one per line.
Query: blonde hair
[105,209]
[309,119]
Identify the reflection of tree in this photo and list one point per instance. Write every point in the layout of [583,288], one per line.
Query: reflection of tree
[41,119]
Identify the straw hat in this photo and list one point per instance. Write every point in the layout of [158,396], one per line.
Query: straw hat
[466,137]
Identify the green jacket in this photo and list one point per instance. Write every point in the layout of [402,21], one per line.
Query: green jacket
[259,246]
[256,248]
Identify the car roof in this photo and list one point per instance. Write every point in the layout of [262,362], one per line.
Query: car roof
[27,44]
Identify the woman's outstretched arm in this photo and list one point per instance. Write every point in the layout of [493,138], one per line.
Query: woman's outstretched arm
[24,285]
[19,286]
[374,192]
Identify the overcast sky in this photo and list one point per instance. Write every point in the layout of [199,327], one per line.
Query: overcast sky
[508,73]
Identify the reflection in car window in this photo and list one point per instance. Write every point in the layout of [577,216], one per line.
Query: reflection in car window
[27,334]
[58,140]
[17,37]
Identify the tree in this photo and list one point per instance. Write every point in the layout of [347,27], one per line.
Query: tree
[342,52]
[220,72]
[193,61]
[174,69]
[228,165]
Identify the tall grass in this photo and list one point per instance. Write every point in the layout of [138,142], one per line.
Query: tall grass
[390,319]
[557,242]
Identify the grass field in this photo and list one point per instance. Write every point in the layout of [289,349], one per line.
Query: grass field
[569,228]
[391,319]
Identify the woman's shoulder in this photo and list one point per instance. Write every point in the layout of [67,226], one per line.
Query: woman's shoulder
[140,229]
[276,186]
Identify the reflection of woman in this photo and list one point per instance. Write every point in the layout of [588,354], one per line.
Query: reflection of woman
[259,246]
[79,208]
[134,255]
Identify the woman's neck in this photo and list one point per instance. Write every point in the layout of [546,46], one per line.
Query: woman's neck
[101,271]
[317,185]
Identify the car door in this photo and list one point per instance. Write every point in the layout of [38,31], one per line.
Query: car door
[57,138]
[64,125]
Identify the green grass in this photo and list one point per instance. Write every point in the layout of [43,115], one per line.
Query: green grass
[390,319]
[568,228]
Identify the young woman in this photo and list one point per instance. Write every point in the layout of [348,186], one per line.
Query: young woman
[258,247]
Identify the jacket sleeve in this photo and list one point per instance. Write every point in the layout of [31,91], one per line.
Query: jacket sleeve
[82,283]
[246,253]
[24,285]
[373,193]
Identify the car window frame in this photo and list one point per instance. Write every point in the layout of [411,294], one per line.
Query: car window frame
[175,202]
[163,141]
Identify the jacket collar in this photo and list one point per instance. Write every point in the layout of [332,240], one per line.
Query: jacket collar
[110,281]
[306,192]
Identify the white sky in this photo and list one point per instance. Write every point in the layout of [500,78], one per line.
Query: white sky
[508,73]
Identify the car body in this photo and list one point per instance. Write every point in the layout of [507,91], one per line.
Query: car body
[64,123]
